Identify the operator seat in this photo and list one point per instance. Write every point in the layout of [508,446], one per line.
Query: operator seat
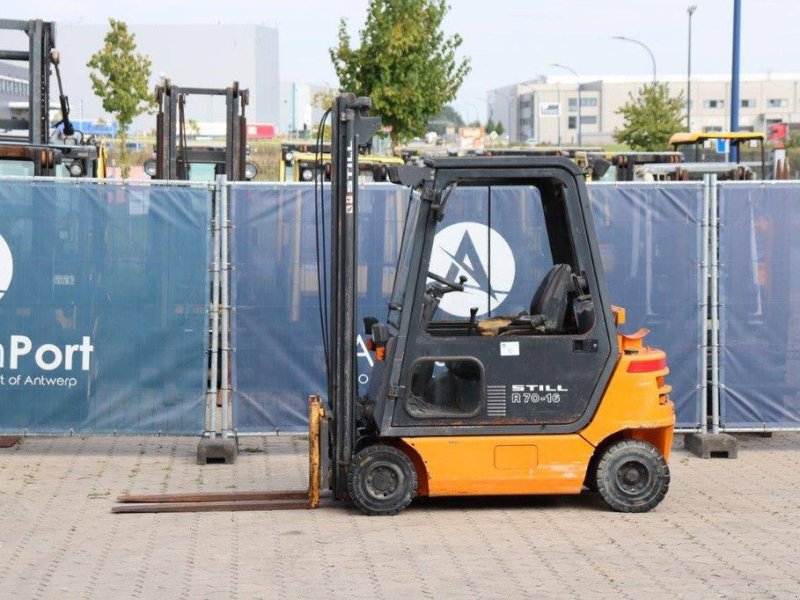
[551,297]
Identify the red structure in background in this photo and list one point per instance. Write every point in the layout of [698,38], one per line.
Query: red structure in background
[260,131]
[778,132]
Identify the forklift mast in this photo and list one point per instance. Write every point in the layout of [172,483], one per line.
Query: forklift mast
[41,42]
[353,129]
[173,156]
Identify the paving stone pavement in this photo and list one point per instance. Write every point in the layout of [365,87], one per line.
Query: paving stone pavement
[727,529]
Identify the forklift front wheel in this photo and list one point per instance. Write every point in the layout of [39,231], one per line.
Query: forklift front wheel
[382,480]
[632,476]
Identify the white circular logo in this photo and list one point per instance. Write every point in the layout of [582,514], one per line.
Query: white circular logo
[6,267]
[463,249]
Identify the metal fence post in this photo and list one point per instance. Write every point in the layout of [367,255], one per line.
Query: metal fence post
[217,443]
[714,305]
[225,307]
[211,397]
[704,275]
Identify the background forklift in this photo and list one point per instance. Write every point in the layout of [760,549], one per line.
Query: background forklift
[545,399]
[710,152]
[31,145]
[300,162]
[176,159]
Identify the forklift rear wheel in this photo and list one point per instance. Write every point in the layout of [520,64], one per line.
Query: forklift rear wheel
[632,476]
[382,480]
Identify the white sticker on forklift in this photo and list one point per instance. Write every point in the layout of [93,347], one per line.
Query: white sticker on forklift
[509,348]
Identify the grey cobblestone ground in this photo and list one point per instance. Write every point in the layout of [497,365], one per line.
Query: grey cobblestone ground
[728,529]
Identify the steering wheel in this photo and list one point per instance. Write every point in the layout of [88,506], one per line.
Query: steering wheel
[455,287]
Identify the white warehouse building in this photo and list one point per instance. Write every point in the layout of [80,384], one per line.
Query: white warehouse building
[545,110]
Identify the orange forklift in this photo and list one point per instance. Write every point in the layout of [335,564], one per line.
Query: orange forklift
[548,399]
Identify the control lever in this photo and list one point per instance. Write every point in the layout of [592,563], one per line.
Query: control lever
[472,314]
[456,287]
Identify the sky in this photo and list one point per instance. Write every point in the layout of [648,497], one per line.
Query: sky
[507,41]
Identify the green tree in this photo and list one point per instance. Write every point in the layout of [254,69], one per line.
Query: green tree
[651,118]
[499,129]
[490,125]
[404,63]
[120,79]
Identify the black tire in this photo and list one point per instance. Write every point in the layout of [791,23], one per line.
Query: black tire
[632,476]
[382,480]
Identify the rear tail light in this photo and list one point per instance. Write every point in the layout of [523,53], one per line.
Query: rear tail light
[647,366]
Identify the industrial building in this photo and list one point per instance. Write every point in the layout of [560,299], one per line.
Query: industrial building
[13,90]
[545,110]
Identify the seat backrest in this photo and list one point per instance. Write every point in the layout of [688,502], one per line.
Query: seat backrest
[550,299]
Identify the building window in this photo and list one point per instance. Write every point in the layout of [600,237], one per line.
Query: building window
[711,128]
[588,120]
[525,104]
[572,103]
[713,103]
[572,122]
[749,103]
[777,103]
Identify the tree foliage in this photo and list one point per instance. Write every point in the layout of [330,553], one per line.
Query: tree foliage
[499,129]
[120,78]
[404,63]
[651,118]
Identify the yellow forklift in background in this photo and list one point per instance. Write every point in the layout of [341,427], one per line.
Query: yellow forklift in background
[710,152]
[301,163]
[551,398]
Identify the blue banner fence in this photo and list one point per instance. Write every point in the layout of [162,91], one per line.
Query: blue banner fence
[759,302]
[103,307]
[127,266]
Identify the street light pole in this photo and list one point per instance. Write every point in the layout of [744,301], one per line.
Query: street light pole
[578,77]
[643,45]
[737,26]
[689,10]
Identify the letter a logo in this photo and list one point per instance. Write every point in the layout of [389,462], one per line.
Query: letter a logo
[464,249]
[6,267]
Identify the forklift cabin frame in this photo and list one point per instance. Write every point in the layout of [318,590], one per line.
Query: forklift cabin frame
[598,344]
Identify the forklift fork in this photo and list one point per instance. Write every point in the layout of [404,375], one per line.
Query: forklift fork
[239,501]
